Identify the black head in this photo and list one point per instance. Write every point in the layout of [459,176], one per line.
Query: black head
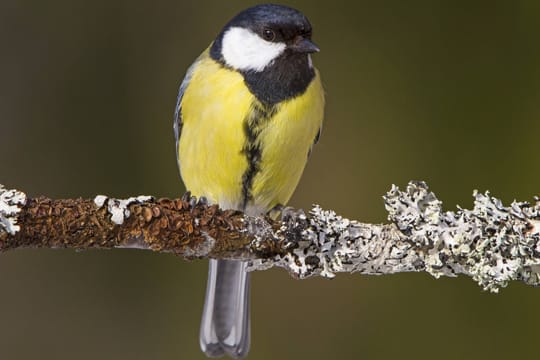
[271,46]
[275,23]
[276,26]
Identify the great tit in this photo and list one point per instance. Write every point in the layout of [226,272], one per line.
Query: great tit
[248,112]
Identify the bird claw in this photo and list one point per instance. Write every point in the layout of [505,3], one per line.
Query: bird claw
[186,196]
[285,213]
[289,213]
[192,201]
[275,212]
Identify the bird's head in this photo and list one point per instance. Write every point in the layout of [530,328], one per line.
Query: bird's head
[259,35]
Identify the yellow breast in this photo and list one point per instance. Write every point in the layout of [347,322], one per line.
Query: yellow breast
[213,150]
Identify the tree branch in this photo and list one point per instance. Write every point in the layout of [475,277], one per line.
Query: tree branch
[491,243]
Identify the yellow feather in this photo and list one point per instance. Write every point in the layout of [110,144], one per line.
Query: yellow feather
[212,161]
[285,145]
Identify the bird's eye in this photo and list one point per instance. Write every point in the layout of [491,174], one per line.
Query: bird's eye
[268,34]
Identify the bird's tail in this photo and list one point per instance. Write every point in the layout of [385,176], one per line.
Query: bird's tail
[225,327]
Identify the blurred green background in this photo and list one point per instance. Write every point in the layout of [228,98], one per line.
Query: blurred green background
[442,91]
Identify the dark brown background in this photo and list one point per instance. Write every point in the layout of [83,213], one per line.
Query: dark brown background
[442,91]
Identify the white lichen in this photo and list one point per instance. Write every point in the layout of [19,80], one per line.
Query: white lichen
[100,200]
[11,203]
[491,243]
[119,208]
[330,244]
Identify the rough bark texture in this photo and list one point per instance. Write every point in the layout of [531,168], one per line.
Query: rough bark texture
[491,243]
[180,226]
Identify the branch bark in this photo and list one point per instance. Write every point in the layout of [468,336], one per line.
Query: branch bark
[491,243]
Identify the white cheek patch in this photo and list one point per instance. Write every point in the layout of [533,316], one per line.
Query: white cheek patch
[242,49]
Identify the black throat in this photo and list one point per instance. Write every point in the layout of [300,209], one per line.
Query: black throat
[287,77]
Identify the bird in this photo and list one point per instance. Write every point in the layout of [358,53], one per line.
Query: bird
[249,110]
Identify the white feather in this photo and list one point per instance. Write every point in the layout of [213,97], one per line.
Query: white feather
[242,49]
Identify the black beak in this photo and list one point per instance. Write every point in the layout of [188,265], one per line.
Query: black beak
[304,45]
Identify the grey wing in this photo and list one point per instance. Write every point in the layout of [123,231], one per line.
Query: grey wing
[177,124]
[315,141]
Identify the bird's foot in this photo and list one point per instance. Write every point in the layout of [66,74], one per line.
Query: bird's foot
[285,213]
[186,196]
[275,212]
[193,201]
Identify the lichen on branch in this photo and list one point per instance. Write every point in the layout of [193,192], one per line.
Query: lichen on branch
[491,243]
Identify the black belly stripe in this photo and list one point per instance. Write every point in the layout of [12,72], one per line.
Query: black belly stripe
[254,123]
[286,78]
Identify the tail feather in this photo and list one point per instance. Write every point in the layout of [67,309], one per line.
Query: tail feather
[225,327]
